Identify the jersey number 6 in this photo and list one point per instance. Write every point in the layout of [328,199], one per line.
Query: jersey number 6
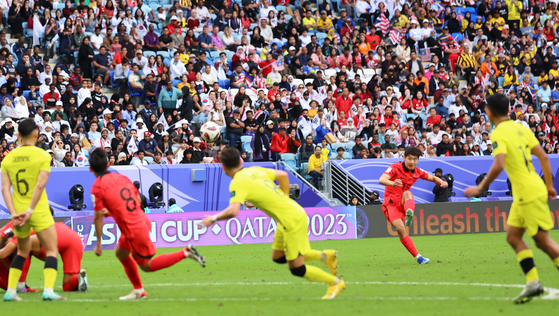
[21,183]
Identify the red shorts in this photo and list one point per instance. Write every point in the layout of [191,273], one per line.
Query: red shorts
[393,211]
[72,259]
[141,246]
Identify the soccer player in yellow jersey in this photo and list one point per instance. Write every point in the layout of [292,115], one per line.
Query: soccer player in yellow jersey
[291,243]
[513,147]
[27,169]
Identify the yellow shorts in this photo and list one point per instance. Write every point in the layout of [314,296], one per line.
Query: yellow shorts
[532,216]
[294,242]
[39,221]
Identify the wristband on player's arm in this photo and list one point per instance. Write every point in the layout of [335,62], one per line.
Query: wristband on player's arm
[30,211]
[214,218]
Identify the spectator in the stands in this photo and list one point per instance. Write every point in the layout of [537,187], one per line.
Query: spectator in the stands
[307,149]
[315,165]
[173,207]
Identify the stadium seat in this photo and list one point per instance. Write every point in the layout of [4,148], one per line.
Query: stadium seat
[349,146]
[289,160]
[335,147]
[112,74]
[347,155]
[164,54]
[176,82]
[500,81]
[281,8]
[26,94]
[133,160]
[225,84]
[148,53]
[245,142]
[148,159]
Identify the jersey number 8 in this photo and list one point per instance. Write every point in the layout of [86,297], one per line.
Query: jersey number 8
[126,195]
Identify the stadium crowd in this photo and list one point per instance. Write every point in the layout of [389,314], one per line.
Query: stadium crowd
[349,79]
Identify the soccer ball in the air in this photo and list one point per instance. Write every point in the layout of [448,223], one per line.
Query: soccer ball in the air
[210,131]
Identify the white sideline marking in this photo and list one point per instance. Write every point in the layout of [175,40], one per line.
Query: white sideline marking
[553,294]
[255,299]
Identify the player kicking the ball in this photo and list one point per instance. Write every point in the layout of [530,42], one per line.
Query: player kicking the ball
[513,147]
[115,195]
[291,243]
[398,206]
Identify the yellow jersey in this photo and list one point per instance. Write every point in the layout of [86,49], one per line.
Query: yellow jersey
[256,185]
[23,165]
[516,142]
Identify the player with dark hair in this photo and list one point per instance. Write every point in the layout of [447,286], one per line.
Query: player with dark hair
[291,243]
[8,250]
[513,147]
[115,195]
[27,168]
[399,206]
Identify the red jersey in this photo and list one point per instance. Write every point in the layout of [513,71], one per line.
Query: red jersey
[120,197]
[397,171]
[6,229]
[67,238]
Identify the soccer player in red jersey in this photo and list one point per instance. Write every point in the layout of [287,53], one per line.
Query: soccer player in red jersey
[115,195]
[8,250]
[398,206]
[70,248]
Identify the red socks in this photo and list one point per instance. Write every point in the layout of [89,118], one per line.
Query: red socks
[131,270]
[72,285]
[25,269]
[409,204]
[408,243]
[166,260]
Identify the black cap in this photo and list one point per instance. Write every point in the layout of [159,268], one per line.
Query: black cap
[438,170]
[375,193]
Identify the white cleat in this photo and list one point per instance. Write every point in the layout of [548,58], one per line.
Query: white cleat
[134,296]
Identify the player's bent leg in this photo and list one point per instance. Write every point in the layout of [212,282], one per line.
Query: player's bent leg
[166,260]
[548,245]
[131,269]
[70,282]
[329,257]
[278,256]
[407,242]
[314,274]
[409,207]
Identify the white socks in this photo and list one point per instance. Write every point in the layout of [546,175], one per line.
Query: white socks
[138,291]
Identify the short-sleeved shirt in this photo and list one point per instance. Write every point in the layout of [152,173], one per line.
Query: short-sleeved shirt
[516,142]
[119,196]
[101,60]
[256,185]
[23,165]
[397,171]
[9,227]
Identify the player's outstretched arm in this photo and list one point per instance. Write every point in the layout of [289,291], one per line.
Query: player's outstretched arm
[283,179]
[231,211]
[7,194]
[98,220]
[496,168]
[546,168]
[385,180]
[443,184]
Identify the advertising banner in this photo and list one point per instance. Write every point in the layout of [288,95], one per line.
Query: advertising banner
[248,227]
[444,219]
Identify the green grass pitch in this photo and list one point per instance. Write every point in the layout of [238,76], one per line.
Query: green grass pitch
[468,275]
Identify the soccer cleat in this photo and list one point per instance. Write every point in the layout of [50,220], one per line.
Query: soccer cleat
[529,292]
[194,255]
[27,289]
[422,260]
[83,286]
[52,297]
[134,296]
[409,217]
[334,290]
[11,298]
[332,260]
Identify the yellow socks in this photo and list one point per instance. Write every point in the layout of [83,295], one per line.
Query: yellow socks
[315,274]
[526,260]
[556,262]
[50,272]
[313,255]
[15,273]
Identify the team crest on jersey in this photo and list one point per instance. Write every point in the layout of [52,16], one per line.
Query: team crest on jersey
[495,145]
[233,194]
